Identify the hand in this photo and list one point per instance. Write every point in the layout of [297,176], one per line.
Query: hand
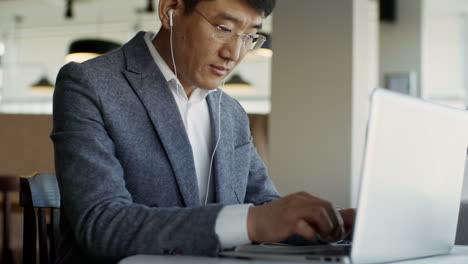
[299,213]
[349,217]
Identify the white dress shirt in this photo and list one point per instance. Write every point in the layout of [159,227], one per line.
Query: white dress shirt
[231,224]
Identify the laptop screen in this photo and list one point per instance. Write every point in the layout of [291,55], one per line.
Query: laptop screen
[411,179]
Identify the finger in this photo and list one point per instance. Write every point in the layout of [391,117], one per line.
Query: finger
[330,222]
[320,214]
[338,231]
[349,217]
[312,200]
[341,226]
[305,230]
[319,219]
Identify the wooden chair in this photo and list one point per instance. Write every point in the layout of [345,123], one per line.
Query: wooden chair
[8,183]
[40,193]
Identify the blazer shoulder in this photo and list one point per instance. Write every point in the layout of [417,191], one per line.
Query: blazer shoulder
[232,108]
[99,64]
[99,70]
[232,104]
[106,62]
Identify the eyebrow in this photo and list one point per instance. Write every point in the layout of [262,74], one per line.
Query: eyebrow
[227,16]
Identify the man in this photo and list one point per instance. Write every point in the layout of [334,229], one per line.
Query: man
[152,158]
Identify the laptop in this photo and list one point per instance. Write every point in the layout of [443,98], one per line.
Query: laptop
[410,187]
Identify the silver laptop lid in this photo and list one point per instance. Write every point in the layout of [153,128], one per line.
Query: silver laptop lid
[411,180]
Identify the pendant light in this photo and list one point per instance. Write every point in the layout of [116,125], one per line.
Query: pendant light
[43,82]
[150,7]
[69,9]
[43,86]
[84,49]
[236,85]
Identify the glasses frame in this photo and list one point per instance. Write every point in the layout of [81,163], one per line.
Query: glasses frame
[222,30]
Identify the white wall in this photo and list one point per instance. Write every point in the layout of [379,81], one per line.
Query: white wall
[401,42]
[365,79]
[445,52]
[430,38]
[319,72]
[446,56]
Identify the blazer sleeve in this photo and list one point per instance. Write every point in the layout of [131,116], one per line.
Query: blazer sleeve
[260,189]
[106,223]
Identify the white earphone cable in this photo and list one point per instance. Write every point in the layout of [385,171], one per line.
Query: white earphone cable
[219,118]
[216,146]
[174,64]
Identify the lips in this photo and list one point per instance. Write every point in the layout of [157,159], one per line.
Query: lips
[219,70]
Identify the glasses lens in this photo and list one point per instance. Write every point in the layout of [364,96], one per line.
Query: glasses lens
[257,42]
[222,33]
[219,36]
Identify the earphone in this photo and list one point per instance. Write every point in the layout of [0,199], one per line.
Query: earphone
[171,24]
[170,12]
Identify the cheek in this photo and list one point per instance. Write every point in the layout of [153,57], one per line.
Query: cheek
[193,49]
[199,57]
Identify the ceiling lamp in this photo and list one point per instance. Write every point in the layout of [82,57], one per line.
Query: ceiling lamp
[236,85]
[150,7]
[69,9]
[42,86]
[85,49]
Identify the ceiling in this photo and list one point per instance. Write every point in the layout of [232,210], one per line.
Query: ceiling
[50,13]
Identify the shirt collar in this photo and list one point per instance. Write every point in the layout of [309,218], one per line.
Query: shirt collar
[166,71]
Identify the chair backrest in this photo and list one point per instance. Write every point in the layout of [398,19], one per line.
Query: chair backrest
[40,193]
[8,183]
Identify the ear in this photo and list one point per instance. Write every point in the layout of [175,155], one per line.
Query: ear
[163,11]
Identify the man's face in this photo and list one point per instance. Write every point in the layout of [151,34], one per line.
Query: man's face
[201,60]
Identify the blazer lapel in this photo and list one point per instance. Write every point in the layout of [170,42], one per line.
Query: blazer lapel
[151,87]
[224,185]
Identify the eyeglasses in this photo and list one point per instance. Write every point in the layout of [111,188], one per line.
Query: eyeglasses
[222,33]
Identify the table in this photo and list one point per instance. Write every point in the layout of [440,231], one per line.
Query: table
[459,255]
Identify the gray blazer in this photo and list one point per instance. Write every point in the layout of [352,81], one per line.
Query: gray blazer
[125,164]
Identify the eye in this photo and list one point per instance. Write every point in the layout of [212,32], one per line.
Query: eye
[224,29]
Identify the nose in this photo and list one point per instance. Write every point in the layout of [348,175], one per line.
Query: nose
[233,49]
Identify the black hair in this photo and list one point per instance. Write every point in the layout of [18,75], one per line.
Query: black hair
[266,6]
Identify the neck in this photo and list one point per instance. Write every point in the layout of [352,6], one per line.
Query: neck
[162,44]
